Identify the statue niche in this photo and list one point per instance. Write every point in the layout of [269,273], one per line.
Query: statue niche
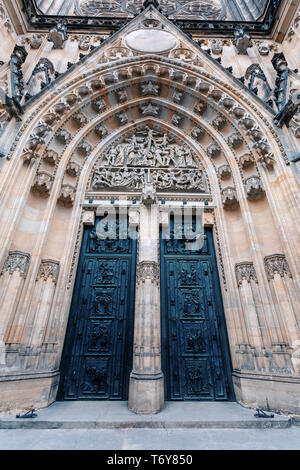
[149,155]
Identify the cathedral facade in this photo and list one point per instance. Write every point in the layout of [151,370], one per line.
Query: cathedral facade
[149,204]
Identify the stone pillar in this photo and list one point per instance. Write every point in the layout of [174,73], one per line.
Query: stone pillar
[13,274]
[146,389]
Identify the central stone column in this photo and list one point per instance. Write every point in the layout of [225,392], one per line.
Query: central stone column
[146,389]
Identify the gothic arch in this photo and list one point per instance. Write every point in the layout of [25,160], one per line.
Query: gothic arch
[229,131]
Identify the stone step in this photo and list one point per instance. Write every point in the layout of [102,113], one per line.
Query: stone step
[115,415]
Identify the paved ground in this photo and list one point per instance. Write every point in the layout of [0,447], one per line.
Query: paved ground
[110,426]
[151,439]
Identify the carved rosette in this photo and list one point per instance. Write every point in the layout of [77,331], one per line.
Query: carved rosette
[16,261]
[49,269]
[147,270]
[245,271]
[277,264]
[67,195]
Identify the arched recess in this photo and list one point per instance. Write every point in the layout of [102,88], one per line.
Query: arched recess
[252,207]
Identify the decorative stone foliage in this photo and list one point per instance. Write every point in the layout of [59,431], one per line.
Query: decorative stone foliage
[80,119]
[213,150]
[48,269]
[224,172]
[99,105]
[198,133]
[84,148]
[51,157]
[254,188]
[245,271]
[150,109]
[219,122]
[229,198]
[235,140]
[246,160]
[177,119]
[200,107]
[63,136]
[73,169]
[16,261]
[122,96]
[61,108]
[67,195]
[101,130]
[42,184]
[149,88]
[122,117]
[277,264]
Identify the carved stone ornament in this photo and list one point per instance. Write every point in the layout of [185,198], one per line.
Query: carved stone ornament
[198,133]
[235,140]
[213,150]
[200,107]
[61,108]
[219,122]
[99,105]
[48,269]
[177,119]
[150,109]
[242,40]
[216,46]
[67,195]
[84,148]
[73,169]
[122,117]
[147,270]
[149,88]
[245,271]
[63,136]
[58,34]
[101,130]
[149,196]
[224,172]
[277,264]
[254,188]
[154,153]
[16,261]
[229,198]
[246,160]
[42,184]
[79,118]
[51,157]
[36,40]
[122,96]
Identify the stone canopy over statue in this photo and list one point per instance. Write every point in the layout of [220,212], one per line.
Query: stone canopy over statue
[149,154]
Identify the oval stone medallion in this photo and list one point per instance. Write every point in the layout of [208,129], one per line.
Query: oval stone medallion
[150,40]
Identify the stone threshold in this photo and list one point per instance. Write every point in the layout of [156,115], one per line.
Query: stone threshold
[115,415]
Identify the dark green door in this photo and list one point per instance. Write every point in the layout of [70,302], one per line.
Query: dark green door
[97,355]
[196,358]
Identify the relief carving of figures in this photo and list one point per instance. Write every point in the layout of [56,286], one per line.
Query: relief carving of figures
[167,163]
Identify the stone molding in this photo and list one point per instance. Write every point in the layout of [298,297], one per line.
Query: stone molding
[277,264]
[245,271]
[147,270]
[48,269]
[16,261]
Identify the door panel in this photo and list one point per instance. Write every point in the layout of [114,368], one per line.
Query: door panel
[98,349]
[194,342]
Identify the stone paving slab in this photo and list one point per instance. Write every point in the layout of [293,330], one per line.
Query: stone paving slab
[115,415]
